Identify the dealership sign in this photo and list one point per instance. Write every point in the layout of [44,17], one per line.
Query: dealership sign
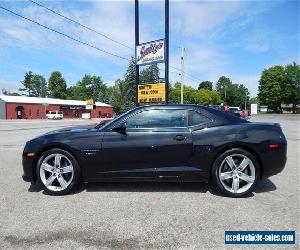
[151,93]
[89,104]
[151,52]
[253,109]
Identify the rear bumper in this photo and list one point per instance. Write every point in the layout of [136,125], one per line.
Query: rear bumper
[274,161]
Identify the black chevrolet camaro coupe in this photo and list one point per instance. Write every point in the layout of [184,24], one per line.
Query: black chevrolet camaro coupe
[159,143]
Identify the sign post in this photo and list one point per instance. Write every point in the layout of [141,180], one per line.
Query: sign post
[167,49]
[137,71]
[152,52]
[89,104]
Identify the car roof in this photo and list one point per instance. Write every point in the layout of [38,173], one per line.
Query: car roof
[218,114]
[171,106]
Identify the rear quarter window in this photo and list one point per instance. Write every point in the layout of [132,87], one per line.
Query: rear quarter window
[195,118]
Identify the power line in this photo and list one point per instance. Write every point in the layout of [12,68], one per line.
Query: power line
[176,73]
[186,74]
[79,41]
[65,35]
[80,24]
[95,31]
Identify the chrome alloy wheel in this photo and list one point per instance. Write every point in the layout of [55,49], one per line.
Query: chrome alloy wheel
[56,172]
[237,173]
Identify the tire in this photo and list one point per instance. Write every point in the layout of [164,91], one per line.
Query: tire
[235,173]
[57,172]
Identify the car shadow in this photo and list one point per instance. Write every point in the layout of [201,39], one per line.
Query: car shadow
[265,185]
[34,188]
[144,187]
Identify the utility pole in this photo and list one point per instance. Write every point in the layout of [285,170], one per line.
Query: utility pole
[225,94]
[246,100]
[182,74]
[166,51]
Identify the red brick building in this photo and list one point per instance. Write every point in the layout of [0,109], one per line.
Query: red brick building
[23,107]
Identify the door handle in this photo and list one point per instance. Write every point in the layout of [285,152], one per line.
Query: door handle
[153,149]
[180,137]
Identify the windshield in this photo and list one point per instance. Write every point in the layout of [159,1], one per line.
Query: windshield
[102,123]
[106,123]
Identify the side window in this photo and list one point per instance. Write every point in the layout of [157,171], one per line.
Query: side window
[196,118]
[166,118]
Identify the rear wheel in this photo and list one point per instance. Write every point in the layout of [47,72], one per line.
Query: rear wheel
[235,172]
[58,171]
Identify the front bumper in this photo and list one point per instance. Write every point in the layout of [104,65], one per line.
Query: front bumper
[28,168]
[29,162]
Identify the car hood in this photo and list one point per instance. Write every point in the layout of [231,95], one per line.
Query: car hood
[74,129]
[266,123]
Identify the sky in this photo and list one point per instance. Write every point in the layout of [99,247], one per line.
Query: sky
[237,39]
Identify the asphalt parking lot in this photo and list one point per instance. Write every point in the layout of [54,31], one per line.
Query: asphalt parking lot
[139,215]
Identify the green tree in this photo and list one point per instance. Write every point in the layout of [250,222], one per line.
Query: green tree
[222,82]
[57,85]
[27,84]
[188,94]
[223,87]
[241,98]
[34,85]
[207,97]
[292,85]
[253,100]
[215,98]
[193,96]
[174,96]
[128,86]
[150,74]
[233,94]
[205,85]
[89,87]
[74,92]
[119,101]
[271,87]
[40,85]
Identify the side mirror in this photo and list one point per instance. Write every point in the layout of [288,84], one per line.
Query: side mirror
[121,129]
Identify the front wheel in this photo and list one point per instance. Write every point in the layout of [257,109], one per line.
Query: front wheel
[235,172]
[58,171]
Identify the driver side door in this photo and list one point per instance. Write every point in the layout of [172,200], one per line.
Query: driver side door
[154,140]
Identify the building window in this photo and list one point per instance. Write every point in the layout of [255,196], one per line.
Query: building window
[38,113]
